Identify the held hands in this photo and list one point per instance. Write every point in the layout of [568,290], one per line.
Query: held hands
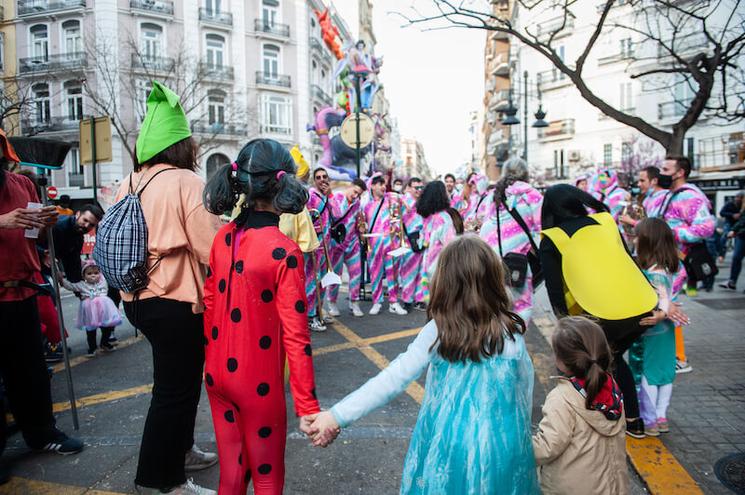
[657,316]
[677,315]
[627,220]
[321,428]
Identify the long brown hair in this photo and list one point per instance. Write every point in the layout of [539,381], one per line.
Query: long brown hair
[655,245]
[580,344]
[470,303]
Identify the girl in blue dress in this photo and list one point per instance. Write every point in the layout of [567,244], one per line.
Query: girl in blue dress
[473,430]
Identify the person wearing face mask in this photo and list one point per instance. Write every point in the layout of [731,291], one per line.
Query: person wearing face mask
[398,186]
[688,213]
[319,204]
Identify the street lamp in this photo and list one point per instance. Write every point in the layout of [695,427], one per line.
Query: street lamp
[511,114]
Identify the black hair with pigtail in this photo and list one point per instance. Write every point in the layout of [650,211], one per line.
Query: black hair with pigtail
[264,170]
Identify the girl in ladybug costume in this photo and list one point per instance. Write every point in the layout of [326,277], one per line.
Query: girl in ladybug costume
[255,317]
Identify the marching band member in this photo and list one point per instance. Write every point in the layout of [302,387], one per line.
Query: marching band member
[380,214]
[470,199]
[411,262]
[604,187]
[345,244]
[441,224]
[319,205]
[503,232]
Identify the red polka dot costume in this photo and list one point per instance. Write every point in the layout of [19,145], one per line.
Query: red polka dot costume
[255,316]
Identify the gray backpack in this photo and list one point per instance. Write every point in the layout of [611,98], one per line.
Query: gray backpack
[121,242]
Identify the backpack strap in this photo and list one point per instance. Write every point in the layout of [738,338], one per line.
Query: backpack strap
[139,192]
[670,198]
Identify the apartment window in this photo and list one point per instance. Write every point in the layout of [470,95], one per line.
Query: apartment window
[151,41]
[213,6]
[270,57]
[626,152]
[626,98]
[42,113]
[607,155]
[627,47]
[75,170]
[277,114]
[215,50]
[72,40]
[143,91]
[270,12]
[216,107]
[39,42]
[74,97]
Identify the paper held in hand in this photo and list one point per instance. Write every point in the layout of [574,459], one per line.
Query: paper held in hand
[34,232]
[399,252]
[330,278]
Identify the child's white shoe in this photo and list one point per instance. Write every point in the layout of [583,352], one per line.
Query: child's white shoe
[397,309]
[354,306]
[376,309]
[334,309]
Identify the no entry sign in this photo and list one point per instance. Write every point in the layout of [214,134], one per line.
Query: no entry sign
[52,192]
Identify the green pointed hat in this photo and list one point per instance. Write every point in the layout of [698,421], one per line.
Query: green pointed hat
[165,123]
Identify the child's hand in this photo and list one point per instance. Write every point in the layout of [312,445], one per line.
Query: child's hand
[677,315]
[657,316]
[305,424]
[326,429]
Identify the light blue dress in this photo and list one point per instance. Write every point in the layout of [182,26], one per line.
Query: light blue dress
[472,435]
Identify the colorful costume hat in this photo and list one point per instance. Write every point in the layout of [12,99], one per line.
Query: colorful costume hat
[165,123]
[302,164]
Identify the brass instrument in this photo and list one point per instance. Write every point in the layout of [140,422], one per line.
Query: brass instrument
[636,212]
[361,224]
[395,208]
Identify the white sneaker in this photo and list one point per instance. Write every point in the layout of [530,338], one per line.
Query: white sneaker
[334,309]
[196,460]
[354,306]
[376,308]
[188,488]
[397,309]
[682,367]
[327,319]
[317,326]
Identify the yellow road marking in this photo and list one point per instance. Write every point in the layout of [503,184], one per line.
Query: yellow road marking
[95,399]
[372,340]
[414,390]
[22,486]
[659,468]
[84,359]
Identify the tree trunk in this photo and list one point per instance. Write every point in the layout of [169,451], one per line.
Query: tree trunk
[675,144]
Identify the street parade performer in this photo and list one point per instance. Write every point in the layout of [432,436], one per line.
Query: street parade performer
[317,262]
[256,270]
[382,215]
[345,244]
[412,291]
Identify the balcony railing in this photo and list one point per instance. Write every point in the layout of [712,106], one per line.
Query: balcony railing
[601,6]
[269,79]
[316,44]
[75,179]
[212,71]
[213,16]
[33,126]
[64,61]
[153,64]
[499,100]
[552,79]
[320,94]
[276,29]
[275,129]
[35,7]
[721,153]
[616,57]
[683,46]
[500,65]
[557,129]
[672,109]
[204,127]
[562,27]
[163,7]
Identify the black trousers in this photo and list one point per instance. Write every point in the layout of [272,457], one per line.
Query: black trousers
[24,373]
[176,337]
[621,334]
[106,332]
[105,336]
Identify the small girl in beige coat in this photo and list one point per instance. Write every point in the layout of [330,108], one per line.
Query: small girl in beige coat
[580,446]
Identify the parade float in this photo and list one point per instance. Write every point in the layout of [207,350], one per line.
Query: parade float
[353,132]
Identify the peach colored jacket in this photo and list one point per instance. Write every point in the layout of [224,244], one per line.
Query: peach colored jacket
[180,230]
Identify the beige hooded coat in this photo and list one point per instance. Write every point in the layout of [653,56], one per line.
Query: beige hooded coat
[579,451]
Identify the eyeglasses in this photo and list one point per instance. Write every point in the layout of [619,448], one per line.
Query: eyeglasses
[418,188]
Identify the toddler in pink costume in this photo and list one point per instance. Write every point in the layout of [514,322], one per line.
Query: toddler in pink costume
[96,309]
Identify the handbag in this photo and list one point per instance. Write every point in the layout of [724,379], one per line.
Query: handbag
[413,238]
[517,263]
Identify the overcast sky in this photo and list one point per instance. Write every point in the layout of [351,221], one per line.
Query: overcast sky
[432,79]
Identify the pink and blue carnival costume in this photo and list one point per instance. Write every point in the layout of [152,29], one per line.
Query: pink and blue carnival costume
[411,262]
[609,192]
[526,201]
[438,231]
[348,252]
[378,217]
[315,262]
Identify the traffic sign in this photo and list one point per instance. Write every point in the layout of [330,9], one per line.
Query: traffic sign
[103,140]
[51,192]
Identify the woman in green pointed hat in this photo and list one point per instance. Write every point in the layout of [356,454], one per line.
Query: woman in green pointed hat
[169,310]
